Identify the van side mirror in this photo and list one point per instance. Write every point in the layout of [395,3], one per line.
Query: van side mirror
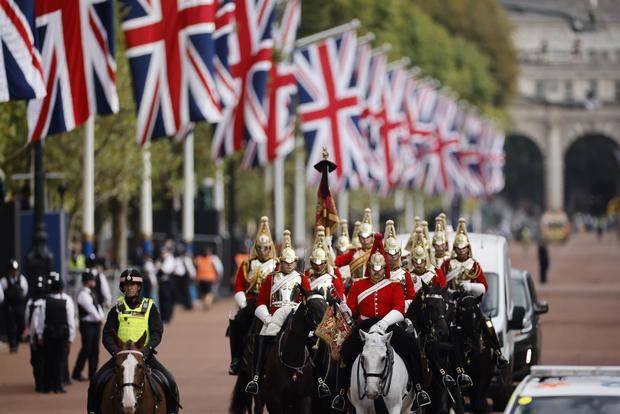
[516,323]
[541,307]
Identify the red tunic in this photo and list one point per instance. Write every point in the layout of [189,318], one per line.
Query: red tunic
[408,288]
[445,267]
[345,258]
[241,283]
[440,278]
[336,281]
[377,304]
[264,296]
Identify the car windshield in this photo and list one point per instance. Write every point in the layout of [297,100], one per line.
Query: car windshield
[567,405]
[520,295]
[490,301]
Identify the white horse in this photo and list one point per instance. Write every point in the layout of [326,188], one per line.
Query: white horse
[379,373]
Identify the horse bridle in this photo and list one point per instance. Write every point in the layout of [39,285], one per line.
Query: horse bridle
[431,319]
[385,375]
[139,387]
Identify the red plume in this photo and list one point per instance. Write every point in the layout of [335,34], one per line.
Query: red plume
[377,246]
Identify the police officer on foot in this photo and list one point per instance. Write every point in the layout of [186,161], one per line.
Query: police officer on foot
[37,358]
[15,289]
[91,315]
[132,316]
[54,325]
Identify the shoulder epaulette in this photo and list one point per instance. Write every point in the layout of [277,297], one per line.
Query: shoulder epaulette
[145,305]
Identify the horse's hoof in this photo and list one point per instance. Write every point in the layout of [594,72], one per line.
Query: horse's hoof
[465,381]
[423,398]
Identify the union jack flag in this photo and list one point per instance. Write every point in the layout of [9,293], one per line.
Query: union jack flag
[280,129]
[170,48]
[470,155]
[249,59]
[21,73]
[224,31]
[76,40]
[493,158]
[329,108]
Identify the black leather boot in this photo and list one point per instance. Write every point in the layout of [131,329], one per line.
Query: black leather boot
[339,403]
[463,379]
[491,336]
[252,386]
[415,362]
[235,357]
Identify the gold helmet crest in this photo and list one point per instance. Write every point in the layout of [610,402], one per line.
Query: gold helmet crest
[365,229]
[287,255]
[419,253]
[319,253]
[355,240]
[263,239]
[440,235]
[461,240]
[427,242]
[344,242]
[390,242]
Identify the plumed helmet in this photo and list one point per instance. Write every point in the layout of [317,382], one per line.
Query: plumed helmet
[130,276]
[56,282]
[440,236]
[13,265]
[419,252]
[461,240]
[390,242]
[287,255]
[319,253]
[377,259]
[355,240]
[343,243]
[263,239]
[365,229]
[88,275]
[427,242]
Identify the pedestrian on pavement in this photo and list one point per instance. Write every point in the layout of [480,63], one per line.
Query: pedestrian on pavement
[15,291]
[184,273]
[37,358]
[165,268]
[91,316]
[54,326]
[102,288]
[543,260]
[150,276]
[208,271]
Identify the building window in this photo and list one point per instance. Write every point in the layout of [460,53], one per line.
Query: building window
[568,90]
[593,89]
[540,89]
[617,84]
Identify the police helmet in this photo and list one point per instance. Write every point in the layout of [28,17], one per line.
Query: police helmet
[88,275]
[13,265]
[130,276]
[56,281]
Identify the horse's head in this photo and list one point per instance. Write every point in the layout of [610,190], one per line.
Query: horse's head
[468,315]
[434,312]
[375,362]
[314,307]
[129,373]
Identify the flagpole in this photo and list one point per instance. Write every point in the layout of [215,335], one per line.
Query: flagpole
[334,31]
[343,204]
[375,206]
[278,195]
[146,213]
[402,62]
[300,194]
[188,191]
[218,195]
[88,188]
[409,211]
[399,202]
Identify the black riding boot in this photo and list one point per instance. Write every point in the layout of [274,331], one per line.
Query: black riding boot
[339,403]
[414,361]
[235,347]
[252,386]
[491,336]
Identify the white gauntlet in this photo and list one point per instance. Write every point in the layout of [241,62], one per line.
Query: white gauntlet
[239,297]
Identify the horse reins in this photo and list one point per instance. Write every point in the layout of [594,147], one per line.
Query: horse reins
[385,375]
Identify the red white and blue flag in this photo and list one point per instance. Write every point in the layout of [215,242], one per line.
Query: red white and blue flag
[282,88]
[470,155]
[493,158]
[76,42]
[250,50]
[170,48]
[21,72]
[329,108]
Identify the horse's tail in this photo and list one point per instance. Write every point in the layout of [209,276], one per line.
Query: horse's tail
[240,402]
[380,407]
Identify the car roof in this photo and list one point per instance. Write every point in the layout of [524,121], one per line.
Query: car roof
[556,381]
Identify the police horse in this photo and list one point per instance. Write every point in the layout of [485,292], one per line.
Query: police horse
[133,388]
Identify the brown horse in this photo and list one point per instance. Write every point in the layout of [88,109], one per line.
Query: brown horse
[132,389]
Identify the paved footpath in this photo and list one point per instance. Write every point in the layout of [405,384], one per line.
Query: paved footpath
[582,327]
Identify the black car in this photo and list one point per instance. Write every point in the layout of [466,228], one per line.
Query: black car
[528,341]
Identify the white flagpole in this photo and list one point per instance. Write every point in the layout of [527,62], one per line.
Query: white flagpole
[334,31]
[375,206]
[218,195]
[409,212]
[278,195]
[188,191]
[300,194]
[88,188]
[146,214]
[343,204]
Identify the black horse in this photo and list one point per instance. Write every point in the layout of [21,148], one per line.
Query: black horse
[428,312]
[241,401]
[288,384]
[477,357]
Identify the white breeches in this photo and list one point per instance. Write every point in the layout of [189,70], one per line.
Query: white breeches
[277,320]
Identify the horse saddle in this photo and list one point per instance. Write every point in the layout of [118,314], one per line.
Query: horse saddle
[171,395]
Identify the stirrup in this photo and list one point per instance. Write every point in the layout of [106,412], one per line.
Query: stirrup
[322,389]
[501,362]
[448,381]
[422,398]
[464,381]
[339,403]
[252,387]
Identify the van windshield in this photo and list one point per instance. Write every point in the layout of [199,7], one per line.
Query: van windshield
[490,302]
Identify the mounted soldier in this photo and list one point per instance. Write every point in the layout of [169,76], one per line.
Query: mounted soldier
[422,271]
[248,280]
[378,304]
[441,248]
[280,293]
[131,318]
[465,274]
[357,257]
[397,272]
[321,274]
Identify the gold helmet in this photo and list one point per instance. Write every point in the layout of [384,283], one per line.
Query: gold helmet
[343,243]
[263,239]
[377,259]
[390,242]
[419,253]
[440,235]
[427,241]
[319,253]
[461,240]
[416,223]
[365,229]
[287,255]
[355,240]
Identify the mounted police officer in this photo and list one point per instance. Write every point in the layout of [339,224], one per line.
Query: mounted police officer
[15,289]
[280,293]
[91,315]
[248,281]
[379,305]
[132,316]
[54,327]
[464,273]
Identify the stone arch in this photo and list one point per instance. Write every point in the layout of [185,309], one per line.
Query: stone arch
[577,131]
[591,171]
[524,172]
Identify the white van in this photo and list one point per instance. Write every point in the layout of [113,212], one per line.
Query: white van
[491,251]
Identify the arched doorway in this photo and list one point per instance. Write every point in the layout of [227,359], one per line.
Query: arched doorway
[524,171]
[591,174]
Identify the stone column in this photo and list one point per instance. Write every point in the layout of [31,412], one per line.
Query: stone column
[554,169]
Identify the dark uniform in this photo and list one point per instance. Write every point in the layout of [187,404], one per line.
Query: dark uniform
[37,358]
[15,288]
[91,315]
